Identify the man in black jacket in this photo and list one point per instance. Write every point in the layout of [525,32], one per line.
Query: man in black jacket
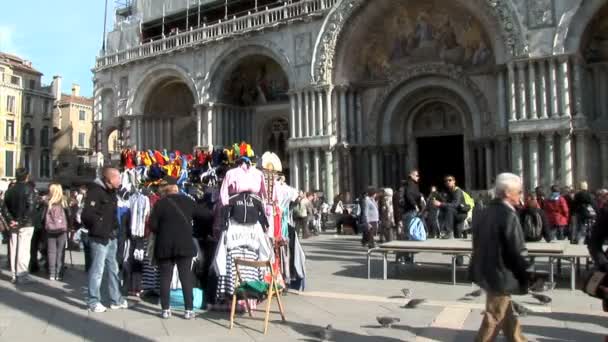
[452,210]
[100,218]
[20,204]
[411,205]
[499,261]
[599,235]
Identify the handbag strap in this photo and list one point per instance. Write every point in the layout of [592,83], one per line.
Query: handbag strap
[179,210]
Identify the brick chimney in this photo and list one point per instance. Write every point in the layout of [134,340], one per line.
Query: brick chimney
[75,90]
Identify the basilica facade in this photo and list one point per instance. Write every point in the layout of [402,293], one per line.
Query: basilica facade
[353,93]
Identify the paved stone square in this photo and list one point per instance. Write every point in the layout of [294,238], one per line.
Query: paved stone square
[337,293]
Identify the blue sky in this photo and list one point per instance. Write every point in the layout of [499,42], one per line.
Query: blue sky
[59,37]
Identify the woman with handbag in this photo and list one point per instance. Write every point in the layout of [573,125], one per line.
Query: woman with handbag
[171,222]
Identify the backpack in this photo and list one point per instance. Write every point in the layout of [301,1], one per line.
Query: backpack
[300,210]
[469,204]
[533,226]
[416,229]
[55,220]
[588,211]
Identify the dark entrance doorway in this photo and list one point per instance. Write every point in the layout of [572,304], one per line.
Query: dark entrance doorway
[440,156]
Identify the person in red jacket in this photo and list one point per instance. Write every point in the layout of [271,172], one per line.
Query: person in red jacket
[556,209]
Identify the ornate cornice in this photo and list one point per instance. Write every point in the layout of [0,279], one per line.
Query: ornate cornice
[335,22]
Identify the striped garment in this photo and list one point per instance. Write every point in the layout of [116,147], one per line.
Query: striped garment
[225,287]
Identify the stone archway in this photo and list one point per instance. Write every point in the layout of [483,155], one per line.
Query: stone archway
[498,17]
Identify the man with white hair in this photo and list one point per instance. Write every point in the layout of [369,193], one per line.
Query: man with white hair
[499,260]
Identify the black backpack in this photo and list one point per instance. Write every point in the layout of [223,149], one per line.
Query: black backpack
[533,226]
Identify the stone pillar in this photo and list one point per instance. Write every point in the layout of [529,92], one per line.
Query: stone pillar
[516,155]
[352,117]
[313,114]
[306,165]
[533,154]
[581,157]
[489,165]
[359,115]
[500,99]
[155,143]
[350,170]
[126,132]
[210,124]
[549,160]
[512,93]
[329,115]
[542,89]
[342,110]
[292,125]
[564,75]
[306,98]
[299,115]
[578,87]
[317,168]
[521,81]
[375,167]
[604,152]
[553,103]
[566,174]
[170,130]
[295,172]
[329,176]
[199,126]
[532,90]
[320,114]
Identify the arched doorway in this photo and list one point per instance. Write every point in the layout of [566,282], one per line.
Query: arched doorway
[168,120]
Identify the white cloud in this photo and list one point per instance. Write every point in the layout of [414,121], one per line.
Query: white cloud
[8,42]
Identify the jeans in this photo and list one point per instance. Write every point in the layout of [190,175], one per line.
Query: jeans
[185,277]
[55,250]
[103,258]
[20,242]
[559,232]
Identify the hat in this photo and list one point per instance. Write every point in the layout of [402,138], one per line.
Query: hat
[168,180]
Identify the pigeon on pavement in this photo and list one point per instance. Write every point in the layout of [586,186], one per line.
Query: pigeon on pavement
[542,286]
[413,303]
[387,322]
[542,298]
[326,333]
[407,293]
[476,293]
[520,309]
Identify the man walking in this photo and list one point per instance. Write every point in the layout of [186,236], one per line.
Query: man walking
[499,262]
[100,217]
[20,205]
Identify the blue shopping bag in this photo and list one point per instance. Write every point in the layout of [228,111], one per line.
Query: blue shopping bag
[176,299]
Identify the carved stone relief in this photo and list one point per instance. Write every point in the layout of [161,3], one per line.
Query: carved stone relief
[541,13]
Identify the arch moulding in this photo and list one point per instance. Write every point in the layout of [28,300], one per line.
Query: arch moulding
[437,75]
[511,30]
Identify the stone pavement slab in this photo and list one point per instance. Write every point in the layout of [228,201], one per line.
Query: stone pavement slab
[337,292]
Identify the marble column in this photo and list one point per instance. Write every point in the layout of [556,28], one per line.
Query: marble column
[126,133]
[169,129]
[375,167]
[317,168]
[343,128]
[199,126]
[581,157]
[329,176]
[489,165]
[500,99]
[532,90]
[553,100]
[564,75]
[604,152]
[566,169]
[313,114]
[329,115]
[210,124]
[221,136]
[320,112]
[352,118]
[306,99]
[542,89]
[533,154]
[295,172]
[299,115]
[306,165]
[601,90]
[292,124]
[549,164]
[140,133]
[155,145]
[511,92]
[521,82]
[359,115]
[517,155]
[578,85]
[350,174]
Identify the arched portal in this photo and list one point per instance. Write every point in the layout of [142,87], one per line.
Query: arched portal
[252,100]
[168,120]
